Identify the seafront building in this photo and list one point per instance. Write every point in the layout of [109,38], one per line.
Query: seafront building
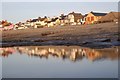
[110,17]
[93,17]
[62,20]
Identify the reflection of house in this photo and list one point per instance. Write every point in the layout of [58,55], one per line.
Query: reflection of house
[110,17]
[74,17]
[71,53]
[93,17]
[92,54]
[5,52]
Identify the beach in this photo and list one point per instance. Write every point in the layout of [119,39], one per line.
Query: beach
[93,36]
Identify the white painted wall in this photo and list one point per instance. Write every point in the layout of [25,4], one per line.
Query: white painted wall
[71,18]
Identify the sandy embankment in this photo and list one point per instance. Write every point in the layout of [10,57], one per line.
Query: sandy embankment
[97,35]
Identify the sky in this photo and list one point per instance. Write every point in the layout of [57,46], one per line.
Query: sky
[60,0]
[21,11]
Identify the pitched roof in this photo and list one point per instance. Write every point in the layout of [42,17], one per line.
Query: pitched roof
[98,14]
[62,17]
[75,14]
[34,20]
[54,19]
[85,15]
[42,19]
[110,16]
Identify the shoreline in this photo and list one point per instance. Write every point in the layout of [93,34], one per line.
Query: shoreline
[87,44]
[94,36]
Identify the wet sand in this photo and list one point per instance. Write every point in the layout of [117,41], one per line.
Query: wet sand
[93,36]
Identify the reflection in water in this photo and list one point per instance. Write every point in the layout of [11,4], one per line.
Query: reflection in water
[73,53]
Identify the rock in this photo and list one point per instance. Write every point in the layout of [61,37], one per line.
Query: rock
[102,40]
[106,40]
[85,43]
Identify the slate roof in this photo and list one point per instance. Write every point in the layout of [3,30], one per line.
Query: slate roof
[54,19]
[85,15]
[98,14]
[62,17]
[34,20]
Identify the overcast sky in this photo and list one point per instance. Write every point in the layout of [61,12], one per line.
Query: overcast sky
[21,11]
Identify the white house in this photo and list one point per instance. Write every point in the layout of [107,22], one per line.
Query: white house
[74,17]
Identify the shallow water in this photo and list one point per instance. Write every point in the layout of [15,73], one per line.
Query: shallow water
[59,62]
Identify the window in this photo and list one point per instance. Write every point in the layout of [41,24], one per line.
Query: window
[92,18]
[88,18]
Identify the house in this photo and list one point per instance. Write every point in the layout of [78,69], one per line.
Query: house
[82,21]
[10,27]
[5,25]
[57,21]
[1,28]
[27,24]
[110,17]
[91,54]
[37,23]
[41,22]
[93,17]
[74,17]
[63,19]
[33,22]
[53,22]
[20,25]
[50,24]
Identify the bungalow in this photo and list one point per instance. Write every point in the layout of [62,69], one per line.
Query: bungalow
[93,17]
[110,17]
[74,17]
